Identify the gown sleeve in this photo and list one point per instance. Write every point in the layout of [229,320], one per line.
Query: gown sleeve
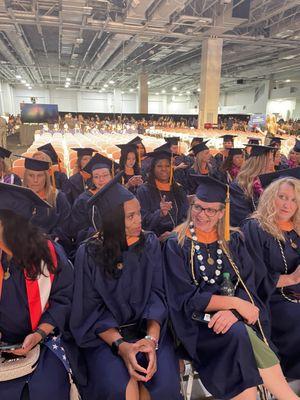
[60,300]
[156,308]
[151,219]
[89,315]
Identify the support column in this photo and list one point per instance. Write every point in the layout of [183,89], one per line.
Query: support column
[143,93]
[117,106]
[211,62]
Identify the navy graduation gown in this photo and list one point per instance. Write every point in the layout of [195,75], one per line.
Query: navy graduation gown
[49,380]
[102,302]
[225,363]
[182,176]
[81,224]
[241,207]
[77,186]
[284,315]
[150,197]
[55,221]
[62,182]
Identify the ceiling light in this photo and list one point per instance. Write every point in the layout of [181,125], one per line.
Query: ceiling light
[111,82]
[157,93]
[18,77]
[163,91]
[122,92]
[198,90]
[27,84]
[174,88]
[180,94]
[29,87]
[68,79]
[131,90]
[148,83]
[106,85]
[188,92]
[23,81]
[66,85]
[288,80]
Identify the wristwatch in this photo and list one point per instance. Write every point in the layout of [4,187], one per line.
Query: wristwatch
[115,346]
[42,333]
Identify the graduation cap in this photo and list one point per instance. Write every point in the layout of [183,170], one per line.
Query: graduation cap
[128,147]
[50,151]
[111,195]
[196,139]
[234,151]
[276,140]
[297,146]
[211,190]
[36,165]
[228,138]
[4,153]
[161,153]
[20,200]
[253,140]
[84,151]
[174,140]
[267,179]
[137,140]
[99,161]
[199,147]
[258,150]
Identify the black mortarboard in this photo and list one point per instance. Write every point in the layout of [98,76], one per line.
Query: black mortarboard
[210,189]
[4,153]
[127,147]
[199,147]
[99,161]
[228,138]
[36,165]
[172,140]
[20,200]
[258,150]
[253,140]
[84,151]
[50,151]
[137,140]
[161,153]
[196,139]
[111,195]
[267,179]
[275,139]
[235,151]
[297,146]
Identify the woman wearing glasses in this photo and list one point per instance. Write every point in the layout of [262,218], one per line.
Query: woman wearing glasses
[213,306]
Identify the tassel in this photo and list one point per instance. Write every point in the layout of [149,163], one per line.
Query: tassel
[171,172]
[139,157]
[227,216]
[74,394]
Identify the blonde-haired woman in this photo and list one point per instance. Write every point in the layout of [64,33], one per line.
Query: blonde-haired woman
[273,240]
[56,221]
[247,187]
[212,302]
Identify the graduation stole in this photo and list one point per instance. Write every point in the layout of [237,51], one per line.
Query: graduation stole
[38,290]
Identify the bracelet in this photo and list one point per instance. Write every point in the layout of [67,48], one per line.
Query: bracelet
[42,333]
[155,341]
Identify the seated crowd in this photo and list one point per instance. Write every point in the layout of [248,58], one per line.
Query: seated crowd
[112,277]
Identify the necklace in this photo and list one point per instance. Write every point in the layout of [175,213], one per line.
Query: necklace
[202,268]
[174,220]
[286,272]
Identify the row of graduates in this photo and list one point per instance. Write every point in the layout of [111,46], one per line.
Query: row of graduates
[126,290]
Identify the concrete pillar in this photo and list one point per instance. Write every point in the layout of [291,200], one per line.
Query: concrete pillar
[211,62]
[143,93]
[117,106]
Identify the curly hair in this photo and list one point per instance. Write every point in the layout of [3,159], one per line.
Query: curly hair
[266,211]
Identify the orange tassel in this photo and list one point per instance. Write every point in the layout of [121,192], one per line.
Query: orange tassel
[227,216]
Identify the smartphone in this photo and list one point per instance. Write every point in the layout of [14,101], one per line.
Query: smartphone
[5,346]
[201,317]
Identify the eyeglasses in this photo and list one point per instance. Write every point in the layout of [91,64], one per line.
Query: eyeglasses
[210,212]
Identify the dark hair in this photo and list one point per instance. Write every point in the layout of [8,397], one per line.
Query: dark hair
[227,164]
[123,159]
[27,243]
[79,159]
[151,178]
[106,249]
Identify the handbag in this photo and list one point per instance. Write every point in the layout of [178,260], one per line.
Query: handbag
[13,366]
